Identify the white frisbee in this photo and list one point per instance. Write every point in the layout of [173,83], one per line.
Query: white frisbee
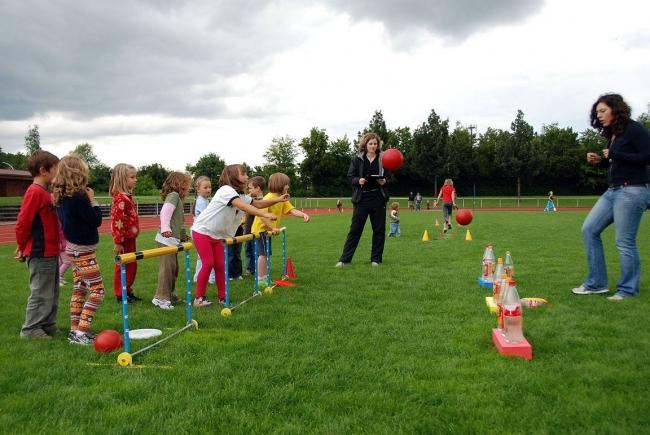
[143,334]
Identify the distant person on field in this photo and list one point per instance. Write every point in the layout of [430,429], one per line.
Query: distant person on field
[369,197]
[626,159]
[418,202]
[428,205]
[278,186]
[219,221]
[37,237]
[394,220]
[203,188]
[550,204]
[448,195]
[80,218]
[125,226]
[411,200]
[339,205]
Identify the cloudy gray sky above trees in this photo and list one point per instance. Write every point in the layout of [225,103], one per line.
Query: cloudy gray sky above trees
[169,81]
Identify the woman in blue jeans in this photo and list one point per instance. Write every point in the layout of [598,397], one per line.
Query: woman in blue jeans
[626,159]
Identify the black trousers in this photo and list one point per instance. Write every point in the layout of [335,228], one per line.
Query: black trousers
[234,257]
[372,204]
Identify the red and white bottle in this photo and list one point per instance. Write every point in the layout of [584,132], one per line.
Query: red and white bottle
[513,321]
[509,266]
[488,264]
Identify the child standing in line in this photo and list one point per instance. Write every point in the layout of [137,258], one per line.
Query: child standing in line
[203,187]
[37,237]
[125,226]
[219,221]
[80,217]
[339,205]
[256,187]
[550,204]
[278,185]
[64,261]
[394,220]
[174,190]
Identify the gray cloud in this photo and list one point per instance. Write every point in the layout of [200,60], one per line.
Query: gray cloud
[173,58]
[453,19]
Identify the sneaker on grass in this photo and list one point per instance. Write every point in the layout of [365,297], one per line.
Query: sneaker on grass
[582,290]
[202,302]
[162,304]
[80,338]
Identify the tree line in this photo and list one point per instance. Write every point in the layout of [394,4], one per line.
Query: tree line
[513,162]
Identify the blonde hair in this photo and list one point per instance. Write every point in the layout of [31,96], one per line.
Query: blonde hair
[200,180]
[448,182]
[230,177]
[120,178]
[71,177]
[394,205]
[175,182]
[277,182]
[363,142]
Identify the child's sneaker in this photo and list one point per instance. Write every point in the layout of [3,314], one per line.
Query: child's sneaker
[202,302]
[81,338]
[222,301]
[162,304]
[62,282]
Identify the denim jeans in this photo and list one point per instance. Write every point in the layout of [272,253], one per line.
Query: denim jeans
[394,229]
[624,207]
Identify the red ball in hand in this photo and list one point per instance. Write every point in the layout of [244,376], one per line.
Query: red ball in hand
[392,159]
[108,341]
[464,216]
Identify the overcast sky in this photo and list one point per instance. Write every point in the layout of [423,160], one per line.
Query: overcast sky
[169,81]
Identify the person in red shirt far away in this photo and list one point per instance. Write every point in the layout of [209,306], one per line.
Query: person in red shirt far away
[448,195]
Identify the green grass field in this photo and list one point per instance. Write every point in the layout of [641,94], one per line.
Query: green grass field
[402,348]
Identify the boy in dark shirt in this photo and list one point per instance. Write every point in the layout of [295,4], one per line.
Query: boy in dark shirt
[37,237]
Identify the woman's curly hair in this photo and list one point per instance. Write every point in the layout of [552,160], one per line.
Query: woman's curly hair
[176,182]
[71,177]
[363,142]
[620,110]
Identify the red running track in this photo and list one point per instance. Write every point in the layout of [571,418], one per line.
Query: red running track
[8,232]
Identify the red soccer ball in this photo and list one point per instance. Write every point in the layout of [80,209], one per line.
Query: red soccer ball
[392,159]
[464,216]
[108,341]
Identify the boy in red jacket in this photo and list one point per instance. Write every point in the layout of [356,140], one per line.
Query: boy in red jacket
[37,237]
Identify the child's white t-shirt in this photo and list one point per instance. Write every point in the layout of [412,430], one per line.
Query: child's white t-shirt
[220,219]
[200,205]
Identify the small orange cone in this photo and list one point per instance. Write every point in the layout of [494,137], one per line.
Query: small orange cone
[437,223]
[425,236]
[291,272]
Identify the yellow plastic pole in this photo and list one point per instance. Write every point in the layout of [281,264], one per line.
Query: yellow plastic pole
[150,253]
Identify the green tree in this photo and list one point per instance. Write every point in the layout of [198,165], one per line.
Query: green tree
[561,155]
[644,118]
[16,161]
[490,176]
[32,139]
[156,172]
[314,148]
[428,151]
[100,177]
[516,157]
[86,152]
[281,157]
[591,176]
[210,165]
[460,154]
[145,186]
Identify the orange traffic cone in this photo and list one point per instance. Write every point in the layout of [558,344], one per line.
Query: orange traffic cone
[291,272]
[437,223]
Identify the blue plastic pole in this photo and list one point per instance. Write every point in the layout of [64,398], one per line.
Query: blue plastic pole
[125,310]
[268,260]
[188,287]
[255,254]
[284,254]
[225,262]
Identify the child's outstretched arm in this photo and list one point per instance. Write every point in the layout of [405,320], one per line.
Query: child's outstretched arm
[295,212]
[263,203]
[247,208]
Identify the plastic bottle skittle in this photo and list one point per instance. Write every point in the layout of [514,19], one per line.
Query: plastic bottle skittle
[509,266]
[488,264]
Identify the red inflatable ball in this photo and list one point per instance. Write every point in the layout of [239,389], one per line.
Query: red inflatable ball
[392,159]
[108,341]
[464,216]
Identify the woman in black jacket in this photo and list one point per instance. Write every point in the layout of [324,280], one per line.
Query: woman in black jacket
[626,159]
[369,197]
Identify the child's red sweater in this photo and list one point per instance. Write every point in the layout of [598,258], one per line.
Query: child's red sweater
[125,223]
[37,227]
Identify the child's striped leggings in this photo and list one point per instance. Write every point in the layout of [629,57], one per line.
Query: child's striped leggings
[87,282]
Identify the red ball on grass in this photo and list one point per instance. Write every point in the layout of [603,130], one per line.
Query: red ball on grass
[108,341]
[464,216]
